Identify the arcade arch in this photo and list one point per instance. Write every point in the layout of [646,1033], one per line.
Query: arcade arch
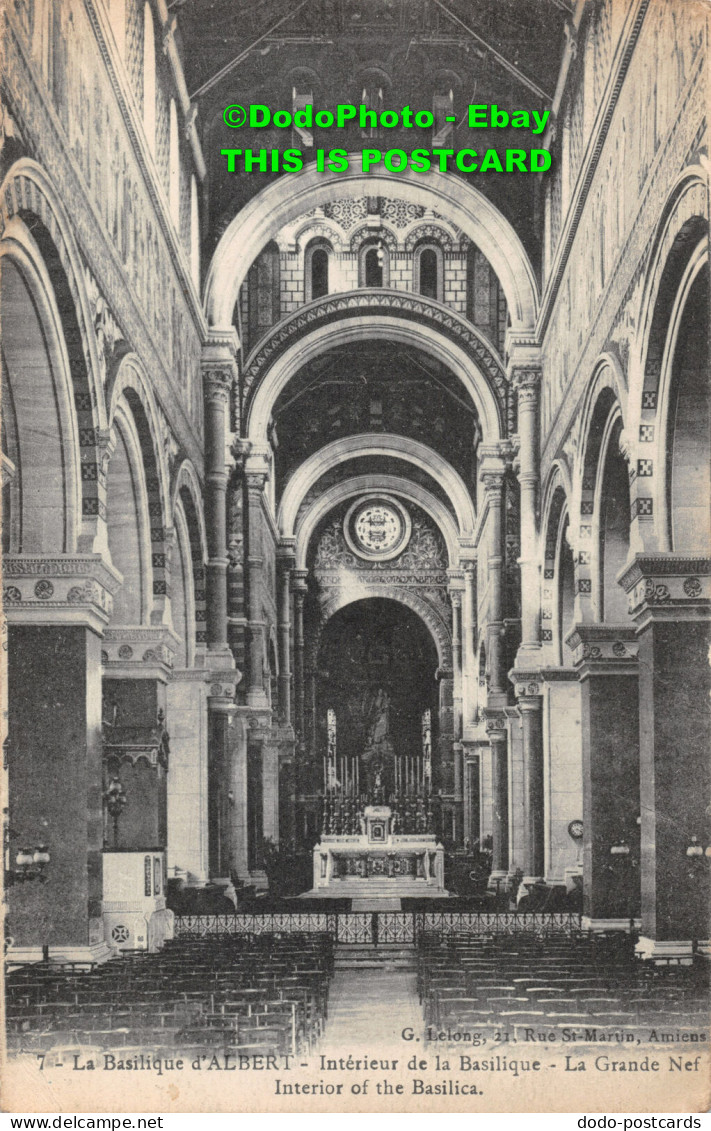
[373,444]
[293,195]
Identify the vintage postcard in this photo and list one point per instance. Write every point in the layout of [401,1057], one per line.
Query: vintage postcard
[356,555]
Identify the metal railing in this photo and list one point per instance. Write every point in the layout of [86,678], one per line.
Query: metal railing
[381,928]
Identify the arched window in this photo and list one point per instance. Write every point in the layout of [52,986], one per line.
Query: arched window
[374,265]
[316,269]
[429,271]
[149,77]
[688,426]
[319,273]
[194,233]
[174,167]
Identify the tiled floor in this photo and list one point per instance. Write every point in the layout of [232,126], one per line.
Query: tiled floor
[371,1008]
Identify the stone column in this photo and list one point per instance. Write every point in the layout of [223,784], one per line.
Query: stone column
[492,479]
[256,692]
[670,600]
[237,795]
[605,657]
[455,596]
[218,377]
[526,381]
[56,610]
[186,712]
[496,731]
[221,708]
[300,589]
[530,705]
[470,662]
[286,565]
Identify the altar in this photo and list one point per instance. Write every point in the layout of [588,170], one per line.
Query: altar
[377,862]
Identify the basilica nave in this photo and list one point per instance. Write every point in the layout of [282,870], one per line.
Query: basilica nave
[355,524]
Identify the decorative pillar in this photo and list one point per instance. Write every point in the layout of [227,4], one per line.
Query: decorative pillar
[526,381]
[186,711]
[237,799]
[218,377]
[256,692]
[605,657]
[300,589]
[455,596]
[493,481]
[469,650]
[56,609]
[670,601]
[286,565]
[530,705]
[496,731]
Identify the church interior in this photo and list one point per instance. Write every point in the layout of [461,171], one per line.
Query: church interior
[368,602]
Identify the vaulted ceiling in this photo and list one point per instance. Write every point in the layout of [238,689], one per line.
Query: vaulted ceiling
[484,51]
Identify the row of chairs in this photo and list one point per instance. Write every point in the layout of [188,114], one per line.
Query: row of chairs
[242,994]
[528,989]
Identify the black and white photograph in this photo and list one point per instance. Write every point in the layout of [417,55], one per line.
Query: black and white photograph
[356,556]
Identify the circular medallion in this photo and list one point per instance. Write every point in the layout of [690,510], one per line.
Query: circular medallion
[377,528]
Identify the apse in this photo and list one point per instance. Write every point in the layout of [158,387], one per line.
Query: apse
[376,683]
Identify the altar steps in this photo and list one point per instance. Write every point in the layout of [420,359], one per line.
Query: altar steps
[366,956]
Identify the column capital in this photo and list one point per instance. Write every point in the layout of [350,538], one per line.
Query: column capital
[256,480]
[528,686]
[493,481]
[240,449]
[217,383]
[139,651]
[298,582]
[604,649]
[286,553]
[667,587]
[494,723]
[222,341]
[522,348]
[500,452]
[61,589]
[526,380]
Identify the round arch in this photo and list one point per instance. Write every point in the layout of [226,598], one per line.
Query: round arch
[434,622]
[128,521]
[316,228]
[607,374]
[392,484]
[130,387]
[557,604]
[28,196]
[53,439]
[272,366]
[187,480]
[666,466]
[375,444]
[295,194]
[679,246]
[130,375]
[182,603]
[684,221]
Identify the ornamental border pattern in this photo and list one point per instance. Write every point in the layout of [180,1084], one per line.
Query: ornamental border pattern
[46,145]
[400,304]
[671,157]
